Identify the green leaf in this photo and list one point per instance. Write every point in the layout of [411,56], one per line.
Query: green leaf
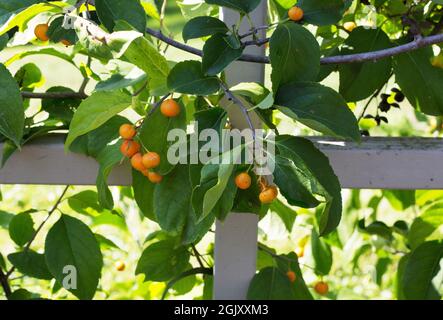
[172,200]
[286,214]
[57,32]
[45,51]
[94,142]
[107,159]
[95,111]
[294,54]
[202,27]
[85,202]
[23,294]
[243,6]
[321,254]
[71,243]
[21,228]
[136,49]
[376,228]
[427,226]
[16,13]
[153,135]
[187,77]
[305,155]
[299,288]
[9,148]
[119,81]
[270,284]
[318,107]
[131,11]
[400,199]
[421,268]
[294,184]
[5,219]
[420,81]
[143,194]
[218,54]
[224,200]
[105,243]
[225,163]
[31,264]
[29,76]
[360,80]
[399,277]
[62,109]
[323,12]
[12,114]
[163,261]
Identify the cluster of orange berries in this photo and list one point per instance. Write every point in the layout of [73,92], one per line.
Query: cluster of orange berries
[131,148]
[41,32]
[267,193]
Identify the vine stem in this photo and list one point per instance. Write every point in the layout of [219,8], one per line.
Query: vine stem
[197,256]
[157,105]
[237,101]
[40,227]
[5,284]
[417,43]
[53,95]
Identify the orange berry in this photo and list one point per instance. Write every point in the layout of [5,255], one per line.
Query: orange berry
[291,276]
[127,131]
[129,148]
[321,288]
[243,181]
[120,266]
[137,162]
[349,26]
[268,195]
[151,160]
[154,177]
[169,108]
[66,42]
[40,32]
[295,13]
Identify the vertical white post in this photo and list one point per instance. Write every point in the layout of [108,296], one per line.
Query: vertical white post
[236,238]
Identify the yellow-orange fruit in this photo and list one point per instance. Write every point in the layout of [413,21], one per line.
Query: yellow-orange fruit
[151,160]
[127,131]
[137,162]
[349,26]
[243,181]
[321,288]
[268,195]
[154,177]
[40,32]
[120,266]
[291,276]
[170,108]
[129,148]
[295,13]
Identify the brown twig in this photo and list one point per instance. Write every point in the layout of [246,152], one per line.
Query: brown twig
[54,95]
[351,58]
[40,227]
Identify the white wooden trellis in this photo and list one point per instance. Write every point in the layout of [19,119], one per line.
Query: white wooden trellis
[377,163]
